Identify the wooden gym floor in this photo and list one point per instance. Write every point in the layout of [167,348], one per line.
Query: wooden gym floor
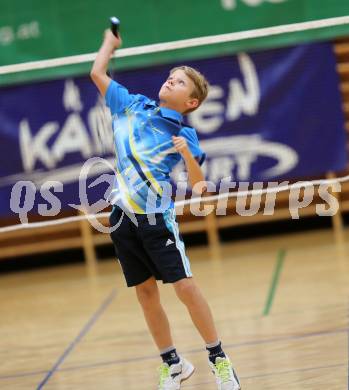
[280,303]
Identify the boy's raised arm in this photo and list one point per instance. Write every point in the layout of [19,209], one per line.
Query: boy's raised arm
[99,69]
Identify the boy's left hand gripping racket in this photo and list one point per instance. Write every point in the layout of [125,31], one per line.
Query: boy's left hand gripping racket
[114,27]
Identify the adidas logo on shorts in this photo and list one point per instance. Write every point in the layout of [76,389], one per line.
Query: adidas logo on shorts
[169,242]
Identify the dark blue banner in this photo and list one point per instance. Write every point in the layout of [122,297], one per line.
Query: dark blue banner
[270,115]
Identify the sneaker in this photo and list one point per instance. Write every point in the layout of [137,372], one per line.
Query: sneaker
[172,376]
[226,378]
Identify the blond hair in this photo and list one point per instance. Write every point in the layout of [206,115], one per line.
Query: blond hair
[201,85]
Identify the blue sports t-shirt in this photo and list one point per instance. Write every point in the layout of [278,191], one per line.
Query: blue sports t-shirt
[145,154]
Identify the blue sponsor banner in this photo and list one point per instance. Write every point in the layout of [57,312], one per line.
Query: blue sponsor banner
[269,116]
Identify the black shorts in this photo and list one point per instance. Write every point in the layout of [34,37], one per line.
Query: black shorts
[149,249]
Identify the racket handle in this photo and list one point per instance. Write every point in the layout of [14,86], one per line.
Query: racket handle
[114,25]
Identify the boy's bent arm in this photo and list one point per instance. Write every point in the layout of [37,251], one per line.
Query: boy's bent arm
[195,174]
[194,170]
[99,69]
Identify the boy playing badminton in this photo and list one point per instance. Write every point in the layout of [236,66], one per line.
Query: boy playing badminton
[150,139]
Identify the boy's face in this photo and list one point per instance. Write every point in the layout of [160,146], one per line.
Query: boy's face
[176,90]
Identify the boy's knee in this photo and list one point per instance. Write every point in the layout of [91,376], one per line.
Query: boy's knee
[186,290]
[147,292]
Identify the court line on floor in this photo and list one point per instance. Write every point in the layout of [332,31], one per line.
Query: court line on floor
[274,281]
[192,351]
[273,374]
[78,338]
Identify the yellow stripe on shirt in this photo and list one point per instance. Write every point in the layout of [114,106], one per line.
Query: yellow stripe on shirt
[143,166]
